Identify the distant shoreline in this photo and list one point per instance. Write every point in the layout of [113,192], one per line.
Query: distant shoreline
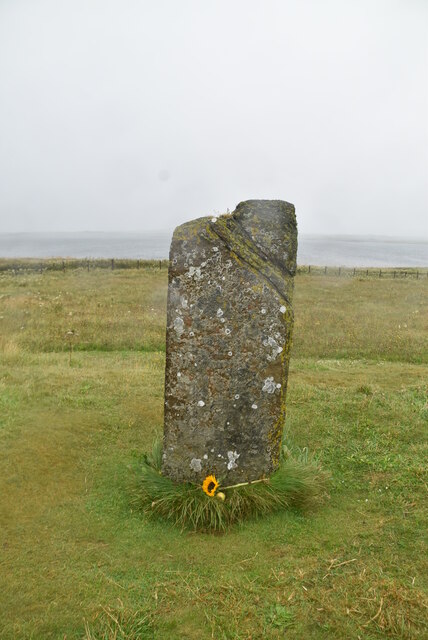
[345,237]
[323,250]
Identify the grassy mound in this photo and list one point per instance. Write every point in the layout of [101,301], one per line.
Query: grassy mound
[299,482]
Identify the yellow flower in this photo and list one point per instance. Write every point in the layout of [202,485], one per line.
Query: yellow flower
[210,485]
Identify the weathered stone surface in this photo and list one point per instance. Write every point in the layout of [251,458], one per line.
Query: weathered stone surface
[229,325]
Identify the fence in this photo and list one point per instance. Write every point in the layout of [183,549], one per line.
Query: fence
[364,272]
[51,264]
[86,264]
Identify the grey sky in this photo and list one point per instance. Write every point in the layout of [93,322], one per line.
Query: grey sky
[138,114]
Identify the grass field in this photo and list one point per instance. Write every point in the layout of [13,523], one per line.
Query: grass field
[81,398]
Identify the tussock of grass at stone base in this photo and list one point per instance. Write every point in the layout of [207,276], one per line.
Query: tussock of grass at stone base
[298,483]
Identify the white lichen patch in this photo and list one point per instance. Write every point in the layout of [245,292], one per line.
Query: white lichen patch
[184,302]
[178,326]
[195,273]
[219,313]
[283,309]
[201,403]
[215,249]
[263,311]
[196,464]
[213,219]
[205,456]
[233,456]
[178,374]
[254,406]
[269,385]
[275,348]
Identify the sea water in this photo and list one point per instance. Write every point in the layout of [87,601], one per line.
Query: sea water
[346,251]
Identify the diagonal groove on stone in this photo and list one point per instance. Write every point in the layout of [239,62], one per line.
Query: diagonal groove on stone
[269,258]
[240,243]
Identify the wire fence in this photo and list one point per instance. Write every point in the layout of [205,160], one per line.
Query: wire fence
[364,272]
[85,264]
[26,265]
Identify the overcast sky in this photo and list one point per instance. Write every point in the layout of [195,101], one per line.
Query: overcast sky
[141,114]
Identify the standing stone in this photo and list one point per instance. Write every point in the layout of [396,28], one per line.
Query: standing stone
[229,326]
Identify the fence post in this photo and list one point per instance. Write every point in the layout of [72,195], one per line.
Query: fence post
[309,269]
[138,264]
[380,273]
[405,274]
[325,270]
[417,275]
[88,265]
[112,264]
[339,272]
[160,264]
[354,272]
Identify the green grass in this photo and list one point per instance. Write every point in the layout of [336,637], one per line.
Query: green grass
[78,561]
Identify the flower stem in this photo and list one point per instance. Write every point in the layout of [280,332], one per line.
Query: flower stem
[243,484]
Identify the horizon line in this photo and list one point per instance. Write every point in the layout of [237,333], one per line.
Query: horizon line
[171,230]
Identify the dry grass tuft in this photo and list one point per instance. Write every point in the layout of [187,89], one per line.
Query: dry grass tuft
[120,623]
[8,347]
